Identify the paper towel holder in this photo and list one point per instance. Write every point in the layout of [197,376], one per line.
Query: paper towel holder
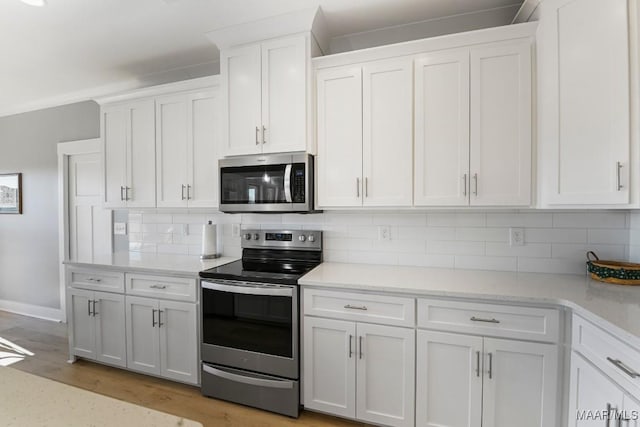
[206,255]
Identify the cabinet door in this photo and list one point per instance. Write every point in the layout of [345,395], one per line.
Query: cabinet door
[385,390]
[178,341]
[500,131]
[520,383]
[584,98]
[442,129]
[241,84]
[284,86]
[387,106]
[141,170]
[172,123]
[114,139]
[203,148]
[81,327]
[329,366]
[591,394]
[448,365]
[339,158]
[143,347]
[110,329]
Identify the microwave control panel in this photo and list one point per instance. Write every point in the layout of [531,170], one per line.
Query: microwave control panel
[298,183]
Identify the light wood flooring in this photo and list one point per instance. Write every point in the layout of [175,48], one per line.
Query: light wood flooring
[48,340]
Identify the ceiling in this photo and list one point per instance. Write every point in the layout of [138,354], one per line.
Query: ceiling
[72,50]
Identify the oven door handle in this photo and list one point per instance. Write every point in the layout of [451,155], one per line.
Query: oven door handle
[249,289]
[287,183]
[247,380]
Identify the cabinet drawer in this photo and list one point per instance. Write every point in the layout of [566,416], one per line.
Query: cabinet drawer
[97,279]
[530,323]
[360,307]
[176,288]
[615,357]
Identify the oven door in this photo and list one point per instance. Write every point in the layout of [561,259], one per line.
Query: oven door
[250,326]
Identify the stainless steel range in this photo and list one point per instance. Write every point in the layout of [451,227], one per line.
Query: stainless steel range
[250,320]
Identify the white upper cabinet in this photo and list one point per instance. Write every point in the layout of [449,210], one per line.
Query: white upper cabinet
[584,102]
[128,132]
[365,142]
[187,139]
[265,96]
[473,126]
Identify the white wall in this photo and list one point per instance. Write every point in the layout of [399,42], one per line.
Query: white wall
[29,242]
[554,241]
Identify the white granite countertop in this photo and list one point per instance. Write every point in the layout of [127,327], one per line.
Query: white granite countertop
[153,263]
[29,400]
[618,306]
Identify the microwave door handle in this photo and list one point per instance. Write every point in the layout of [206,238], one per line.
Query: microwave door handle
[287,183]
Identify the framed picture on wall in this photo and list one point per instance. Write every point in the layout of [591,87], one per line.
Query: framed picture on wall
[11,193]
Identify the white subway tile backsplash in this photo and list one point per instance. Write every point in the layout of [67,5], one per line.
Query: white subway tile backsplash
[469,262]
[555,235]
[551,265]
[533,250]
[456,219]
[358,257]
[408,219]
[590,220]
[540,219]
[427,260]
[156,218]
[616,237]
[448,247]
[479,234]
[173,249]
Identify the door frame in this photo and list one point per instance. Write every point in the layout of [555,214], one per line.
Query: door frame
[65,150]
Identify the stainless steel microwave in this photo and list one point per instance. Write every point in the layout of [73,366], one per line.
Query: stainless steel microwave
[269,183]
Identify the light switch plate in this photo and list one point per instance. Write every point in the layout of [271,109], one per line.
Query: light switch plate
[384,232]
[516,236]
[120,228]
[235,230]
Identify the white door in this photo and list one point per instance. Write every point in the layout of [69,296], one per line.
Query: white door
[584,99]
[109,317]
[89,223]
[385,375]
[339,116]
[114,136]
[520,383]
[284,87]
[442,129]
[500,133]
[387,106]
[172,123]
[329,366]
[178,341]
[143,346]
[241,85]
[448,380]
[591,393]
[141,167]
[203,148]
[631,413]
[82,329]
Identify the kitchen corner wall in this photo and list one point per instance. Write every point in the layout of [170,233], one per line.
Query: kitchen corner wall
[555,242]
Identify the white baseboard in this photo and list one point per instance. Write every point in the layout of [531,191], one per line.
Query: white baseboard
[46,313]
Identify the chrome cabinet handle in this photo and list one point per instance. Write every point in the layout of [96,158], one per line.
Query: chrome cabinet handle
[490,366]
[361,352]
[158,286]
[356,307]
[618,168]
[126,193]
[366,187]
[188,192]
[477,364]
[257,135]
[88,307]
[479,319]
[160,318]
[264,134]
[122,193]
[464,180]
[624,368]
[94,308]
[153,317]
[350,347]
[182,192]
[357,187]
[475,185]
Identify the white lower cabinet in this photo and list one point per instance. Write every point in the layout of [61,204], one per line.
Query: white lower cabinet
[162,338]
[96,326]
[496,382]
[359,370]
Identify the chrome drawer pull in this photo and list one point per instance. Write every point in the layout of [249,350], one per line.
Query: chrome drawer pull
[91,279]
[490,366]
[356,307]
[479,319]
[477,364]
[158,287]
[624,368]
[350,348]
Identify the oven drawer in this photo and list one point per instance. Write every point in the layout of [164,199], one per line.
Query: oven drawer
[389,310]
[529,323]
[96,279]
[176,288]
[615,357]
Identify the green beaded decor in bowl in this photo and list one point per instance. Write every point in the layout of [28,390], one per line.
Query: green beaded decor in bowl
[617,272]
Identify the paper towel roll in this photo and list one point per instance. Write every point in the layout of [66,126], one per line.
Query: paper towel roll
[209,241]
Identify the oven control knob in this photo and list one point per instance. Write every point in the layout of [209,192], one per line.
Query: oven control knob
[256,236]
[302,238]
[247,236]
[312,238]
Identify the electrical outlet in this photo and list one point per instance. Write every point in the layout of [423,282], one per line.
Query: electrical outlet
[120,228]
[384,233]
[516,236]
[235,230]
